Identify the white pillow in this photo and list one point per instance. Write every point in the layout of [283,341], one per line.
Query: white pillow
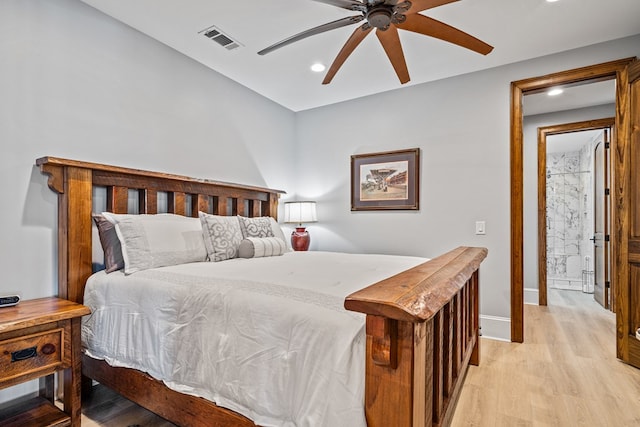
[277,232]
[255,247]
[222,236]
[150,241]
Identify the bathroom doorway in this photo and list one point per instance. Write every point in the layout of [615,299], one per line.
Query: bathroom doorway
[573,209]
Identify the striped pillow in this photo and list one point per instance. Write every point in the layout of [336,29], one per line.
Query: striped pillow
[255,247]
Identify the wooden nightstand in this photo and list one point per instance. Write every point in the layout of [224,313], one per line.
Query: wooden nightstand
[38,338]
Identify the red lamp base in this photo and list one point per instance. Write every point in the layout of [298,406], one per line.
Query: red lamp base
[300,239]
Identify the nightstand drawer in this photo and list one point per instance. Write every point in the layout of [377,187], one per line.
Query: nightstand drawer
[31,353]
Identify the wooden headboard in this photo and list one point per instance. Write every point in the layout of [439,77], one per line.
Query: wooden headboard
[74,182]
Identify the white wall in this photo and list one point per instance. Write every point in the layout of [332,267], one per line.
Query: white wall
[74,83]
[530,167]
[461,125]
[77,84]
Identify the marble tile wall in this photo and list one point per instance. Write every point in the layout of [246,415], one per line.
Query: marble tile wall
[587,207]
[569,217]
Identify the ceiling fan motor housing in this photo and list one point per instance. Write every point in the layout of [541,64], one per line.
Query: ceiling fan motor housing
[383,15]
[380,17]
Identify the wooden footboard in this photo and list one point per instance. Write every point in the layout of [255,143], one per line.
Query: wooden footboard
[422,333]
[422,324]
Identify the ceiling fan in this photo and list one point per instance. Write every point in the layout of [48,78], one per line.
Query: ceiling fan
[387,16]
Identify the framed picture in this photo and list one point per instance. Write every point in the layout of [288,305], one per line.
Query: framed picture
[385,181]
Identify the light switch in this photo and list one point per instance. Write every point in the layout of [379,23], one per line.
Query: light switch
[480,227]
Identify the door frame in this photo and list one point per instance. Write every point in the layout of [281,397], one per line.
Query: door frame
[543,133]
[605,71]
[627,256]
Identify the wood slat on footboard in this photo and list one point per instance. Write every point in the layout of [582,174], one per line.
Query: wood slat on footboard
[422,333]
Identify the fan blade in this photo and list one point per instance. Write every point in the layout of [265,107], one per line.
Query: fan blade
[343,22]
[391,44]
[358,35]
[430,27]
[420,5]
[344,4]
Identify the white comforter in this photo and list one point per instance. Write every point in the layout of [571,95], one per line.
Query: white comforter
[266,337]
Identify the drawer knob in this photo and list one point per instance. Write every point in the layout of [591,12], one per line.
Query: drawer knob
[24,354]
[48,349]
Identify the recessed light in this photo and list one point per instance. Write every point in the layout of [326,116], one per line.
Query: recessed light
[555,92]
[551,1]
[318,67]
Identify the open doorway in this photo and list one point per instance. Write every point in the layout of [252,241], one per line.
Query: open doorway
[573,209]
[611,70]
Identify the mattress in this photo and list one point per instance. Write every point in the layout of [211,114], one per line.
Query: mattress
[266,337]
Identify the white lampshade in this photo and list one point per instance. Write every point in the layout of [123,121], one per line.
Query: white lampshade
[299,212]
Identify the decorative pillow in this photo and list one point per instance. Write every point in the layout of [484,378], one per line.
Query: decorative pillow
[277,232]
[256,227]
[150,241]
[113,260]
[222,236]
[254,247]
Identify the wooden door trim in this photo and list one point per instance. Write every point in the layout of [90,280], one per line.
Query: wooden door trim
[624,197]
[613,69]
[543,133]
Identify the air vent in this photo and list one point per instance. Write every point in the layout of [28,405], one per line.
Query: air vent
[214,33]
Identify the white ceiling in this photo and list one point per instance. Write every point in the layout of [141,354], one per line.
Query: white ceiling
[518,29]
[571,141]
[580,96]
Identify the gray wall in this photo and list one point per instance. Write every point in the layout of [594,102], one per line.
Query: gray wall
[75,83]
[530,132]
[461,124]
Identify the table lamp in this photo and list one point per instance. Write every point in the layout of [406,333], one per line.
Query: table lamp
[299,212]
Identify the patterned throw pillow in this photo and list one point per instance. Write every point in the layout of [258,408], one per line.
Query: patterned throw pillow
[222,236]
[256,227]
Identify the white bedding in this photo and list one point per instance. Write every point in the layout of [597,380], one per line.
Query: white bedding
[266,337]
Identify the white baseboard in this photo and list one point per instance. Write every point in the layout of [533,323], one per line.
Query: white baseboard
[494,327]
[531,296]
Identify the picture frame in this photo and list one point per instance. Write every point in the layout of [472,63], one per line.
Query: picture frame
[386,180]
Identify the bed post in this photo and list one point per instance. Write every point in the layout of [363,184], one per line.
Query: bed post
[74,188]
[397,382]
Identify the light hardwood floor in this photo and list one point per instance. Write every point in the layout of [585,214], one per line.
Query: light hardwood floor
[565,374]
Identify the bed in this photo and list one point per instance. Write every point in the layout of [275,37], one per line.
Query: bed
[420,325]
